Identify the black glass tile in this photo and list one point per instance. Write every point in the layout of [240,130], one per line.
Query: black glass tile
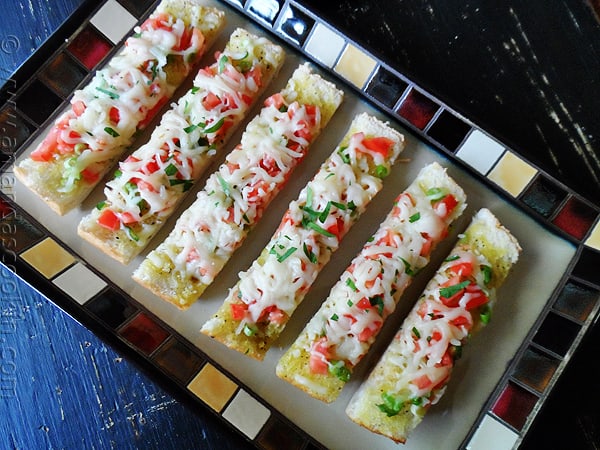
[111,308]
[418,109]
[449,130]
[535,369]
[295,25]
[577,300]
[16,232]
[62,74]
[266,10]
[137,7]
[556,334]
[543,196]
[276,435]
[38,102]
[386,87]
[587,267]
[178,360]
[14,130]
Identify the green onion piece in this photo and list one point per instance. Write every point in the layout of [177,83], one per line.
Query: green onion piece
[416,216]
[487,273]
[435,194]
[313,226]
[187,184]
[111,131]
[309,196]
[452,258]
[171,170]
[377,300]
[350,303]
[224,185]
[216,126]
[118,173]
[416,332]
[286,255]
[391,406]
[408,270]
[309,253]
[449,291]
[340,370]
[111,94]
[79,147]
[194,89]
[132,234]
[249,331]
[325,213]
[351,285]
[334,317]
[101,205]
[485,315]
[222,61]
[381,171]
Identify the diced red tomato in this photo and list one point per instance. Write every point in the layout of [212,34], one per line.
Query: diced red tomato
[446,360]
[422,382]
[152,112]
[114,115]
[239,310]
[427,244]
[364,303]
[270,166]
[476,297]
[274,314]
[368,332]
[319,355]
[276,100]
[445,206]
[337,228]
[185,39]
[78,107]
[127,218]
[151,167]
[211,101]
[380,145]
[47,148]
[256,74]
[304,132]
[461,321]
[108,219]
[157,22]
[89,175]
[462,268]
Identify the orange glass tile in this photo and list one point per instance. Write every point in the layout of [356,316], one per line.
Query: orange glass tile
[48,257]
[355,65]
[213,387]
[512,174]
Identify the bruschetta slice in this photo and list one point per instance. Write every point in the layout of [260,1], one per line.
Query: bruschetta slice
[324,355]
[258,307]
[154,179]
[415,369]
[235,196]
[88,138]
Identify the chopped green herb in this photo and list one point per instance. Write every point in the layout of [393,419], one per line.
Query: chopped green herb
[224,185]
[249,331]
[452,258]
[416,216]
[391,406]
[187,184]
[317,228]
[101,205]
[111,94]
[408,270]
[309,253]
[351,285]
[416,332]
[195,89]
[350,303]
[111,131]
[449,291]
[434,194]
[132,234]
[171,170]
[487,273]
[381,171]
[335,317]
[377,300]
[486,314]
[340,370]
[282,257]
[216,126]
[118,173]
[223,60]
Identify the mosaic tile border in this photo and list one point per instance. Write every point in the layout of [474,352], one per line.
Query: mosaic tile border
[513,405]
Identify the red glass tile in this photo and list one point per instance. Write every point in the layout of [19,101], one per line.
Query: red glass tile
[418,109]
[575,218]
[144,333]
[277,434]
[514,405]
[89,47]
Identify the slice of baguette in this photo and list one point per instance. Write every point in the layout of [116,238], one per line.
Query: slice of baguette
[178,151]
[323,357]
[413,372]
[235,196]
[258,307]
[88,138]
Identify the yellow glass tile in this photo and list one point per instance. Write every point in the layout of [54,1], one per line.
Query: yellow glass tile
[593,240]
[48,257]
[512,173]
[355,66]
[212,387]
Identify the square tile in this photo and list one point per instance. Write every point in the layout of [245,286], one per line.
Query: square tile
[355,66]
[492,435]
[48,257]
[325,45]
[113,20]
[80,283]
[480,151]
[212,387]
[247,414]
[512,173]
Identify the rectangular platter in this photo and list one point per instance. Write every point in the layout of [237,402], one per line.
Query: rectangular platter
[506,371]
